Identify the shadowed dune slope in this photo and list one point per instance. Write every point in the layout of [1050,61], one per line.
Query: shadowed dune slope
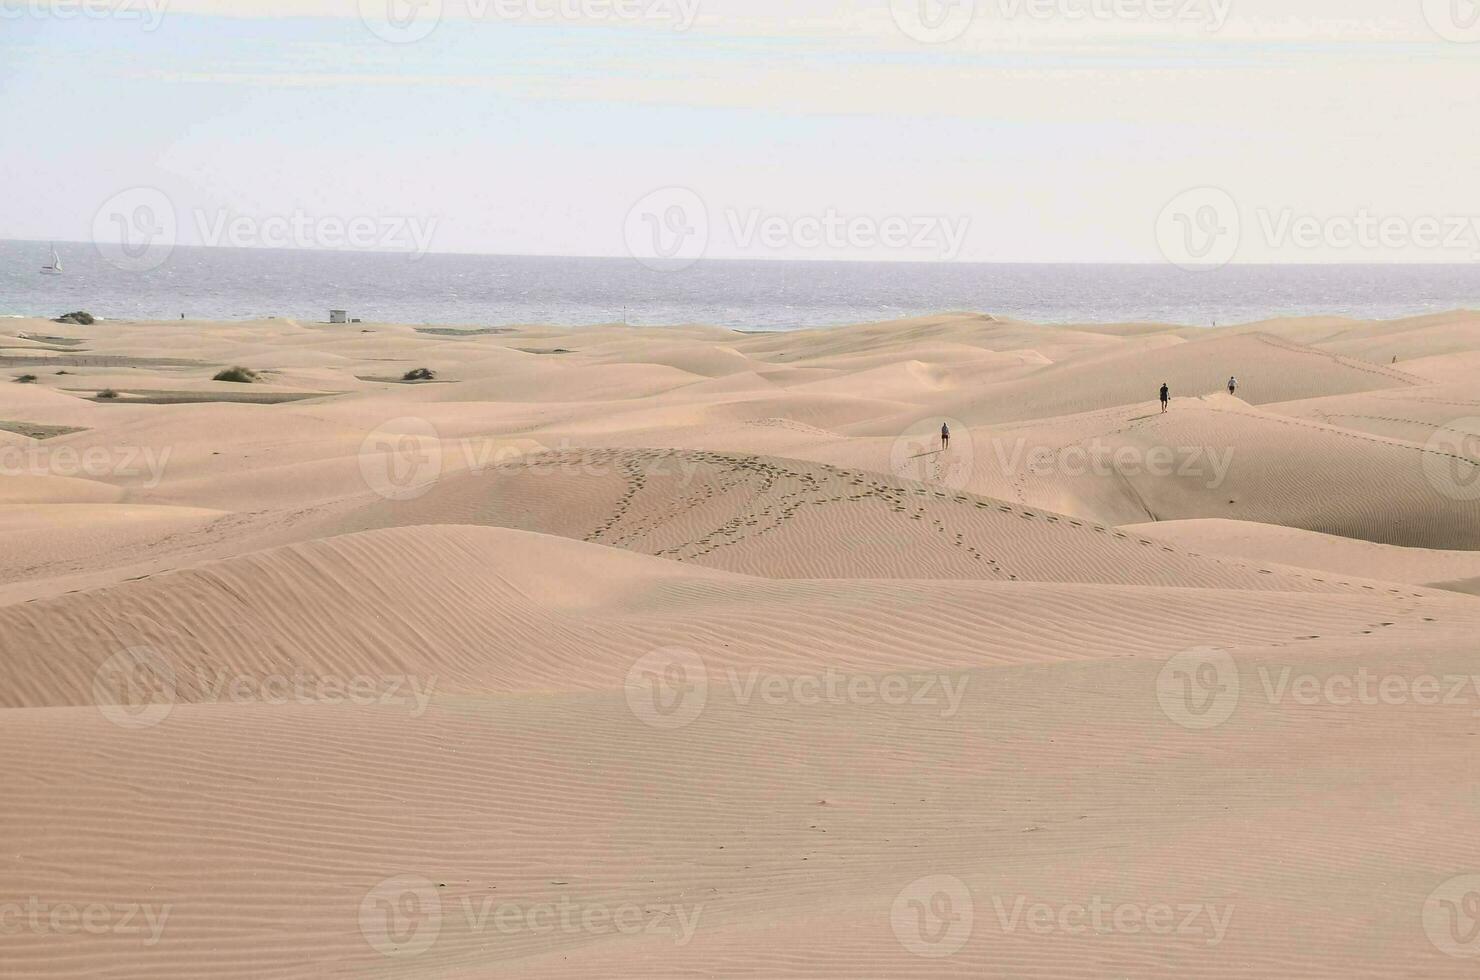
[495,610]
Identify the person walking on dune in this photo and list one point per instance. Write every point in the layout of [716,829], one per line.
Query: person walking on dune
[945,436]
[1232,385]
[1166,396]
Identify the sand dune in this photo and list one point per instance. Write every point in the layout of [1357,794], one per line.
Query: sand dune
[1295,547]
[1417,415]
[496,610]
[786,519]
[685,652]
[1217,457]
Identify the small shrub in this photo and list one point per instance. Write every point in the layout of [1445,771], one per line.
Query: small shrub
[239,375]
[80,318]
[107,393]
[64,372]
[420,374]
[26,379]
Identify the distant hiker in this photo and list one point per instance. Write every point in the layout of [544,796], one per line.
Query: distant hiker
[1166,396]
[1232,385]
[945,436]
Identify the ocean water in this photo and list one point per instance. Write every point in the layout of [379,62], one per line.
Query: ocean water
[221,283]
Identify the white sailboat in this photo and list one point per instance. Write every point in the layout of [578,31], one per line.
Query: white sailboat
[53,268]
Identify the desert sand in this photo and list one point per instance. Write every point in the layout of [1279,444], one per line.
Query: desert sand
[622,652]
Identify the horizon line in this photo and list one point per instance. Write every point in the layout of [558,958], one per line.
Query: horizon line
[414,256]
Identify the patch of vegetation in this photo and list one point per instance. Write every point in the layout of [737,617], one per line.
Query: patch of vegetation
[107,393]
[81,318]
[26,379]
[420,374]
[35,430]
[239,375]
[454,332]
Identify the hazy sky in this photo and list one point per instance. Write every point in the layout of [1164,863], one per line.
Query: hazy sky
[1004,130]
